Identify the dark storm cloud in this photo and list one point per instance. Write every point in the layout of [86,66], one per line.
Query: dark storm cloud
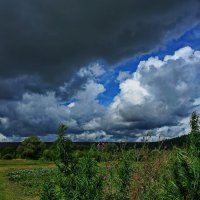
[53,38]
[14,88]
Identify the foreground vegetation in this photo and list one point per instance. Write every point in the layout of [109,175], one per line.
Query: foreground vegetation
[104,171]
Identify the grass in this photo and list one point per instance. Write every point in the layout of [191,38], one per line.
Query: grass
[2,187]
[10,190]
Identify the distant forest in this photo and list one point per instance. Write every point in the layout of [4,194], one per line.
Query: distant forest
[168,143]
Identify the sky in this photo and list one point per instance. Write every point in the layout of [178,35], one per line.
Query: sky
[109,70]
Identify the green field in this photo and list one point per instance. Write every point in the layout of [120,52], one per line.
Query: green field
[10,190]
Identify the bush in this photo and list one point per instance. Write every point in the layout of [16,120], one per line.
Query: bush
[7,156]
[181,178]
[76,179]
[8,152]
[31,148]
[78,154]
[48,155]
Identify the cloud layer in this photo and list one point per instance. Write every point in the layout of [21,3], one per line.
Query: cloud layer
[54,53]
[51,39]
[161,93]
[159,96]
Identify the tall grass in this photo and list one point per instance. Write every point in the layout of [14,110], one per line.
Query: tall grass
[123,174]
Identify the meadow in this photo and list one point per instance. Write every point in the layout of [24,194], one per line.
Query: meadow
[13,189]
[107,171]
[125,174]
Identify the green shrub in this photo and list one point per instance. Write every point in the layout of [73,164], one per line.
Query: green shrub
[82,181]
[181,178]
[8,152]
[48,155]
[31,148]
[7,156]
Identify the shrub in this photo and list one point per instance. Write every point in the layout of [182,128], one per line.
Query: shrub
[87,179]
[7,156]
[181,178]
[65,159]
[8,152]
[48,155]
[31,148]
[195,132]
[75,179]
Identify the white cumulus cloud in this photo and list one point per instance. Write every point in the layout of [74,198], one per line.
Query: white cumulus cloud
[159,95]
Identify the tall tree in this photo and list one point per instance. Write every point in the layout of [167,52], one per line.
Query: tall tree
[64,151]
[195,132]
[194,122]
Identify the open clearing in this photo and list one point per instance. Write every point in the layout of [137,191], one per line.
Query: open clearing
[10,190]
